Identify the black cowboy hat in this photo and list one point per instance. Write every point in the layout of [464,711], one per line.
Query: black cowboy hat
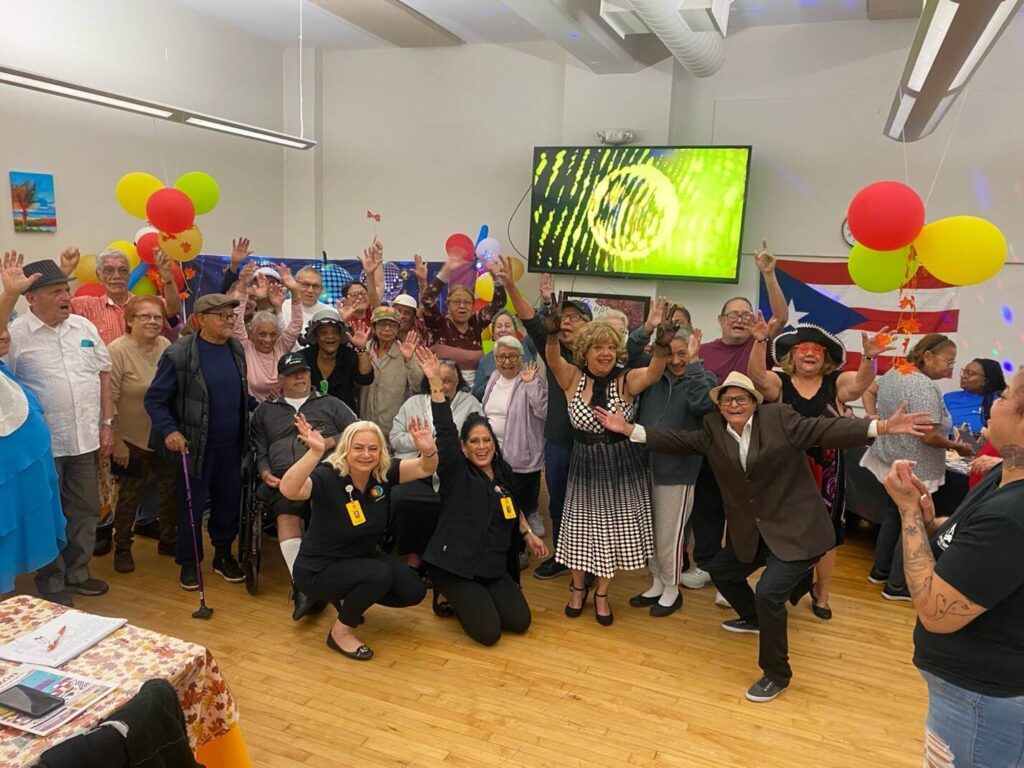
[834,348]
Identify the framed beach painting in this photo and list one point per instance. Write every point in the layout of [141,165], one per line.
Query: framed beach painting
[32,202]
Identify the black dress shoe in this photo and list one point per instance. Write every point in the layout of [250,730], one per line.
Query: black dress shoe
[575,613]
[104,541]
[362,653]
[441,607]
[658,610]
[823,612]
[604,619]
[303,606]
[642,601]
[151,529]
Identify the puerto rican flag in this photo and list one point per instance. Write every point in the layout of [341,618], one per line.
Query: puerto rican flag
[821,292]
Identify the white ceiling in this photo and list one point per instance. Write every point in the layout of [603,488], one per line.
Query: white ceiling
[475,21]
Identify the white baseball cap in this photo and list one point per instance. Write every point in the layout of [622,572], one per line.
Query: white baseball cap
[405,300]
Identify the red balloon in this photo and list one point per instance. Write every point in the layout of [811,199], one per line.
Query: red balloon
[170,210]
[146,244]
[179,277]
[90,289]
[462,245]
[886,216]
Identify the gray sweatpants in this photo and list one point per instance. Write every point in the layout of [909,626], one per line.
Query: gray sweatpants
[672,506]
[80,498]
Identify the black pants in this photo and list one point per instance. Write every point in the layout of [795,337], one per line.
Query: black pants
[768,605]
[414,509]
[526,491]
[361,582]
[707,518]
[221,486]
[484,607]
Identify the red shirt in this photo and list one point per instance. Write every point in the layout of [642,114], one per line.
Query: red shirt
[108,317]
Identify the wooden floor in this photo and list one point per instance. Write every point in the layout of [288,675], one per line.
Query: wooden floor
[644,692]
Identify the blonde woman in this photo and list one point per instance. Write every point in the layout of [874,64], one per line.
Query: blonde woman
[349,494]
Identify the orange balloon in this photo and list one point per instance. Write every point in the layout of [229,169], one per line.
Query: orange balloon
[183,246]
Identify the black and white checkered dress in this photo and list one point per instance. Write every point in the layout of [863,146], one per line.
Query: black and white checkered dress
[606,521]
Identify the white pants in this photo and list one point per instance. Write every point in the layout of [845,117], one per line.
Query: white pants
[672,507]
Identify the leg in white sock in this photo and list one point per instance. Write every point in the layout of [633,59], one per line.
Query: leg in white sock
[289,532]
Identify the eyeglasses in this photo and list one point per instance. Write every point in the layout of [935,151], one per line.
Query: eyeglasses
[507,358]
[735,400]
[949,363]
[460,303]
[574,318]
[968,373]
[110,271]
[310,286]
[357,294]
[224,317]
[151,318]
[734,316]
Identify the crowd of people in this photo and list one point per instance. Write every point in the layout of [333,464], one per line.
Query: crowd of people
[433,448]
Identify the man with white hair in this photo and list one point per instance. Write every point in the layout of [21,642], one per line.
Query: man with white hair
[311,285]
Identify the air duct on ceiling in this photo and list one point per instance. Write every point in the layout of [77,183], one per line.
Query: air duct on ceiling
[952,39]
[700,53]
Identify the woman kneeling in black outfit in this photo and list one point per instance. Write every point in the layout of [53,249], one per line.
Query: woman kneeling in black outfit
[349,495]
[473,555]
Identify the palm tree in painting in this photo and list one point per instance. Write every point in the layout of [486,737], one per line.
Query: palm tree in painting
[24,197]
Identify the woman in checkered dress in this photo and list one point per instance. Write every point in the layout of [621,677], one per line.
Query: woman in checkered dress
[606,520]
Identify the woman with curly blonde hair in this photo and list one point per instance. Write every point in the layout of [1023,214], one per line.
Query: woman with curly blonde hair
[350,494]
[606,520]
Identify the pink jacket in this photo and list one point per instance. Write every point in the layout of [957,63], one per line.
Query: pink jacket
[262,367]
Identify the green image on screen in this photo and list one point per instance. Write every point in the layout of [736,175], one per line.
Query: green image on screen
[665,212]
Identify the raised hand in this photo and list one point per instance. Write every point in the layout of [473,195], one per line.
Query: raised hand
[373,257]
[900,487]
[693,345]
[927,504]
[275,294]
[13,274]
[345,311]
[764,258]
[528,373]
[762,329]
[654,314]
[69,259]
[262,287]
[508,275]
[308,436]
[162,262]
[429,364]
[245,277]
[419,268]
[359,336]
[499,267]
[666,328]
[287,278]
[547,287]
[613,421]
[422,435]
[553,318]
[239,252]
[871,346]
[903,423]
[407,346]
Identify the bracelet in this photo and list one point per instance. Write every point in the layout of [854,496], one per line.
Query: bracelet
[429,455]
[760,341]
[869,357]
[359,350]
[883,425]
[526,533]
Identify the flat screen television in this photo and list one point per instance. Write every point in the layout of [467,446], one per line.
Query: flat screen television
[646,212]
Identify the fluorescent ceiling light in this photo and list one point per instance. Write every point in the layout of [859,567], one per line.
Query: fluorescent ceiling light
[940,112]
[56,87]
[995,26]
[900,119]
[48,85]
[939,25]
[249,131]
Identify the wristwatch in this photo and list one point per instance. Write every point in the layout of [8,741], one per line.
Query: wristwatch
[109,422]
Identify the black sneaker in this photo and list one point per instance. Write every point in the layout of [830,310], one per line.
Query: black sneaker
[549,569]
[876,577]
[227,567]
[166,548]
[765,689]
[189,579]
[123,561]
[151,529]
[104,541]
[91,587]
[895,594]
[61,598]
[743,626]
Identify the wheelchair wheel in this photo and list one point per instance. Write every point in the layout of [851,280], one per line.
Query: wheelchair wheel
[251,565]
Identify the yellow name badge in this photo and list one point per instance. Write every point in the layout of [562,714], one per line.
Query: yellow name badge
[355,513]
[507,508]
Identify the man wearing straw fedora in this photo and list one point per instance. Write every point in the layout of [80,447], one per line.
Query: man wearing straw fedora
[776,518]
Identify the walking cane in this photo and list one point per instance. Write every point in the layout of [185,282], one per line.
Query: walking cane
[204,611]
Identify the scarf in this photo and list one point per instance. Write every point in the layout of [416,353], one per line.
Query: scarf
[599,398]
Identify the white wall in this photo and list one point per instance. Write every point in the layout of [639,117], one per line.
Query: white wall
[152,50]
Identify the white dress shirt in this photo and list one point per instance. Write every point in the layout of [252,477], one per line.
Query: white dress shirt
[61,366]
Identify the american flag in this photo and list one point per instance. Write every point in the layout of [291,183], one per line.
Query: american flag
[821,292]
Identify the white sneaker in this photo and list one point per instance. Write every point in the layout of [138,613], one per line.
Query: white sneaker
[720,600]
[698,578]
[536,524]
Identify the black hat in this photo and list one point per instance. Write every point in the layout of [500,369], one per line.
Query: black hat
[579,305]
[834,348]
[49,272]
[291,363]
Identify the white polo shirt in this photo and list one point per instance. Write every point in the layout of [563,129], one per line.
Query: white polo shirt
[61,366]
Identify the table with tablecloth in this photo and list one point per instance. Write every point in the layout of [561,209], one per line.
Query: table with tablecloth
[128,658]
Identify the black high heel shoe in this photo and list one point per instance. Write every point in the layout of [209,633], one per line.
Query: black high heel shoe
[575,613]
[605,620]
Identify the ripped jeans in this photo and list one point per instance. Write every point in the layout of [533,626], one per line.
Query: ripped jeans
[970,730]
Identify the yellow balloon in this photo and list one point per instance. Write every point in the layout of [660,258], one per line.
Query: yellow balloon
[485,287]
[517,269]
[85,272]
[961,250]
[129,250]
[144,287]
[133,190]
[184,246]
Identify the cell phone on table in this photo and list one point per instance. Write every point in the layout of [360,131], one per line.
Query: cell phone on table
[29,701]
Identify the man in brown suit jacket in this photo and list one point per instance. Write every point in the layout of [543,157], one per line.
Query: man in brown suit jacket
[776,517]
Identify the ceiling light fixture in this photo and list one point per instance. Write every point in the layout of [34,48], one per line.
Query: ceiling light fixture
[952,39]
[44,84]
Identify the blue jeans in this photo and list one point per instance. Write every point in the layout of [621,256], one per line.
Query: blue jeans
[969,730]
[556,477]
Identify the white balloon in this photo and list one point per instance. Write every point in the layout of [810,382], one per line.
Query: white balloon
[143,231]
[488,248]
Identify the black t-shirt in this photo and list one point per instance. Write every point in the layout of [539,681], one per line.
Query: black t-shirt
[492,560]
[978,551]
[334,533]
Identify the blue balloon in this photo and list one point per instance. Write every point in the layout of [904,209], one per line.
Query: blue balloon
[482,235]
[137,274]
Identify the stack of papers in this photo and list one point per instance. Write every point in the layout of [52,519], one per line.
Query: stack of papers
[59,640]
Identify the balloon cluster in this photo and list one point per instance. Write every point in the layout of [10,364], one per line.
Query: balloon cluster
[476,255]
[170,211]
[887,219]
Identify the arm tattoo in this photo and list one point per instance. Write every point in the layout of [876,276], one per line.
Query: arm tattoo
[919,567]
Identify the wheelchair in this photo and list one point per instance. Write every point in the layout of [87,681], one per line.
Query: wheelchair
[253,517]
